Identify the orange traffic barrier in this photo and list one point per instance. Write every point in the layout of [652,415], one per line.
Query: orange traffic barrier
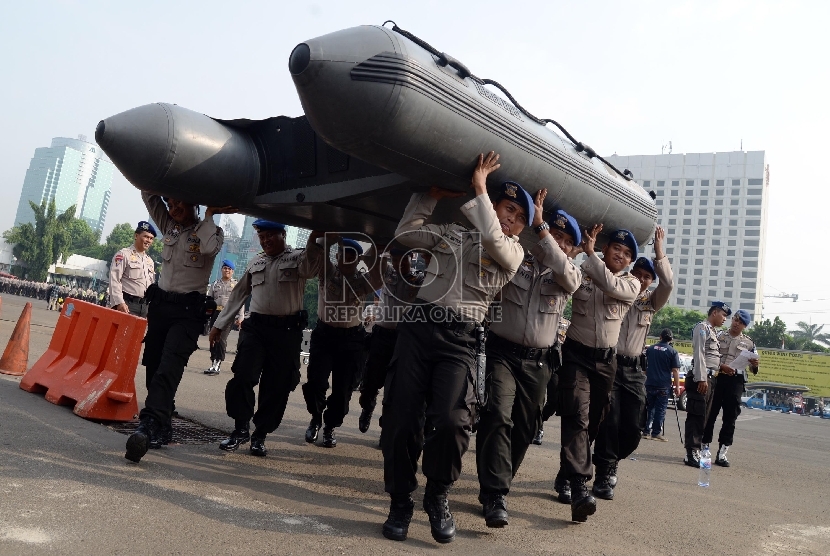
[16,357]
[91,362]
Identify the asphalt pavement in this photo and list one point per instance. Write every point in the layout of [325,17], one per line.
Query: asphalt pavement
[65,486]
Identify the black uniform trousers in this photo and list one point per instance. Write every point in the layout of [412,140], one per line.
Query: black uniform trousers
[269,355]
[585,383]
[137,308]
[511,417]
[381,348]
[336,353]
[172,333]
[220,348]
[696,410]
[432,366]
[727,396]
[620,431]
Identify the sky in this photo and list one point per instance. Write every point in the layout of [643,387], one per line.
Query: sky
[624,77]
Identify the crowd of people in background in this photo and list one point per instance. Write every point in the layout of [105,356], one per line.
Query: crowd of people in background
[52,293]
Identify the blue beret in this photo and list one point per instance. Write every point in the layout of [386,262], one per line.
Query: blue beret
[261,224]
[145,227]
[228,263]
[353,245]
[722,305]
[743,316]
[512,191]
[561,220]
[626,238]
[645,263]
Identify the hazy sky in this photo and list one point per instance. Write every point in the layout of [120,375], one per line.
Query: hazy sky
[624,77]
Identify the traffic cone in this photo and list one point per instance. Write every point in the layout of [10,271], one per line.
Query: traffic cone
[15,359]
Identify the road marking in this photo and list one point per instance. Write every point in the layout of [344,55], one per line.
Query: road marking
[796,538]
[749,418]
[28,535]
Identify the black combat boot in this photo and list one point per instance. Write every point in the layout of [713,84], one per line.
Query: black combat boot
[437,508]
[538,438]
[258,445]
[582,503]
[562,486]
[494,508]
[139,442]
[240,435]
[396,525]
[692,458]
[365,420]
[612,474]
[602,484]
[721,457]
[312,431]
[329,440]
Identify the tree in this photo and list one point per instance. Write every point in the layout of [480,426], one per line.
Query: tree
[810,333]
[83,240]
[40,245]
[681,322]
[769,334]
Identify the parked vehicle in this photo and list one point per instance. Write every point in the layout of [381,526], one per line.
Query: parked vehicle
[685,367]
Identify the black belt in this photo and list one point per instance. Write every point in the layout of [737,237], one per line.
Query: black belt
[520,351]
[155,293]
[134,298]
[627,361]
[451,320]
[597,354]
[275,321]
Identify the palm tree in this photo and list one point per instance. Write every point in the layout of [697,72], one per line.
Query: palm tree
[810,333]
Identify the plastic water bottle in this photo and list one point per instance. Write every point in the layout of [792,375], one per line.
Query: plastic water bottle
[705,466]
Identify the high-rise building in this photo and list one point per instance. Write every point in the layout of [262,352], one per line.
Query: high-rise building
[296,237]
[713,207]
[72,172]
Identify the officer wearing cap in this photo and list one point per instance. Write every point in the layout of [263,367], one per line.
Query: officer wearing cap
[729,384]
[400,286]
[589,363]
[178,311]
[519,356]
[700,380]
[619,434]
[436,349]
[268,353]
[336,347]
[220,291]
[131,273]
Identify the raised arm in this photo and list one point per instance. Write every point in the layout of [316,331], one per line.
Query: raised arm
[549,254]
[660,295]
[623,287]
[412,230]
[157,209]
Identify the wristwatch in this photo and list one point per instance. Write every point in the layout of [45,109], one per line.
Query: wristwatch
[541,228]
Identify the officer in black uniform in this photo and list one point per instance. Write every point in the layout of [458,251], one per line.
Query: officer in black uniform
[436,346]
[336,347]
[269,342]
[178,311]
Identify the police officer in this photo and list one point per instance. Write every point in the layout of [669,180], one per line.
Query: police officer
[436,344]
[700,380]
[729,384]
[589,362]
[178,311]
[269,343]
[518,357]
[336,348]
[663,364]
[220,291]
[400,286]
[131,273]
[619,434]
